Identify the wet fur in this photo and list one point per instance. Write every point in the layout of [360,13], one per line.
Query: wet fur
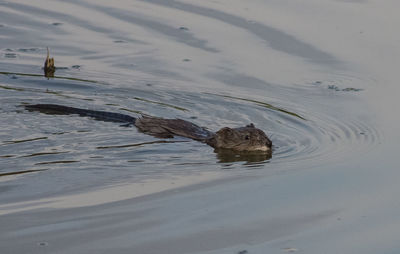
[248,138]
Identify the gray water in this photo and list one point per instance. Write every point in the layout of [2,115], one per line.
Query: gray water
[297,71]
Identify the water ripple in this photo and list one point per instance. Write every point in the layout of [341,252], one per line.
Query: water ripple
[145,57]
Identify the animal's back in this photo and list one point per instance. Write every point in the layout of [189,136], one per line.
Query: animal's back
[167,128]
[240,139]
[158,127]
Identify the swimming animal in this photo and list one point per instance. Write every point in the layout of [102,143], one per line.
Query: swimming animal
[242,139]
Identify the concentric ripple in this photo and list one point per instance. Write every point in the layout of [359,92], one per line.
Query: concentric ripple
[168,59]
[316,129]
[322,139]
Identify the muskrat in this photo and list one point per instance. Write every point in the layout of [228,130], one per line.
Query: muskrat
[242,139]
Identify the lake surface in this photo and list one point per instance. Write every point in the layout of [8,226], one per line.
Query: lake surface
[319,77]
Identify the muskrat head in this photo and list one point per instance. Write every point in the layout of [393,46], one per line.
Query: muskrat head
[241,139]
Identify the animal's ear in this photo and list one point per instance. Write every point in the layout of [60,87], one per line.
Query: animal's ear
[250,125]
[225,131]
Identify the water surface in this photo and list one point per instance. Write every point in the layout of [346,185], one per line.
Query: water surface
[294,70]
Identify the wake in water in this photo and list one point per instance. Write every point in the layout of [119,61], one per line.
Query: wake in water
[244,139]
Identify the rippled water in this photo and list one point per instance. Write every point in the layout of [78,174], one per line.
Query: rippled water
[168,59]
[319,77]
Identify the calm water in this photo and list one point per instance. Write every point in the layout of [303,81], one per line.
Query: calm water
[129,58]
[210,62]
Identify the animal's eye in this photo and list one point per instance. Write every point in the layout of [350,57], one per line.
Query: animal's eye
[247,137]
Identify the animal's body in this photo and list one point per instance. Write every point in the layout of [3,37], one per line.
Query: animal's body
[242,139]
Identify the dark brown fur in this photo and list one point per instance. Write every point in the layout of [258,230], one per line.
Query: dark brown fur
[242,139]
[247,138]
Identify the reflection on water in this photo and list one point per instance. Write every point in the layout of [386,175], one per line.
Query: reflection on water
[40,75]
[127,58]
[225,156]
